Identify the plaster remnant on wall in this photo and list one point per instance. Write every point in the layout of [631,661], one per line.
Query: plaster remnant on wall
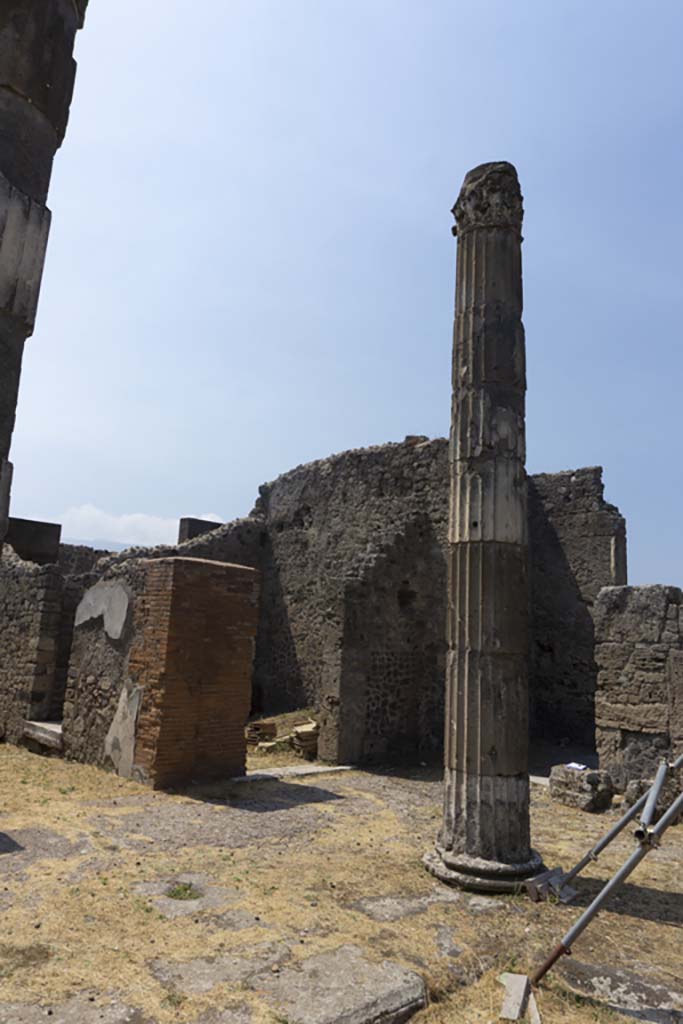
[109,599]
[119,743]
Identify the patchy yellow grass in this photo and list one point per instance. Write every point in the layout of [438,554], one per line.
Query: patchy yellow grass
[96,933]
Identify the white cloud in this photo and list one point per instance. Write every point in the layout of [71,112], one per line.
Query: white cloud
[87,522]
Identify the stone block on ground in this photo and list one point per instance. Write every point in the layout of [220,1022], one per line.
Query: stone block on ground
[516,996]
[585,788]
[196,977]
[79,1009]
[343,987]
[628,992]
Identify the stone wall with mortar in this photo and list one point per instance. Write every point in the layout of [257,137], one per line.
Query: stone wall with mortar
[30,607]
[352,617]
[639,700]
[160,673]
[98,666]
[577,546]
[77,559]
[352,538]
[37,612]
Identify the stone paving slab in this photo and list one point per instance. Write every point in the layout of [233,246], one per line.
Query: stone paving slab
[343,987]
[212,896]
[627,992]
[79,1010]
[393,908]
[195,977]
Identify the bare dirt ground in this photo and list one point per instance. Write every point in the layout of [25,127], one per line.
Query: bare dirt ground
[96,872]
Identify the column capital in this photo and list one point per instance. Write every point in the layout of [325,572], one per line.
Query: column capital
[490,197]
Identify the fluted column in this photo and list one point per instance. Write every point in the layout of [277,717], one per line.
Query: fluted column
[484,842]
[37,72]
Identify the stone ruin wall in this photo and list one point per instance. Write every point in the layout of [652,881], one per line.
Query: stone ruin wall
[147,694]
[37,608]
[354,591]
[352,612]
[30,608]
[98,670]
[639,700]
[577,546]
[352,620]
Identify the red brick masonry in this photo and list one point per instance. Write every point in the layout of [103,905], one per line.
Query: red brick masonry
[193,652]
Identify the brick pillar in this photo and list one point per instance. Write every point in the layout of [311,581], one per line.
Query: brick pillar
[193,656]
[37,74]
[484,841]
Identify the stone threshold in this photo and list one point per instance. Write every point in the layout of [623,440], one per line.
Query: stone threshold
[48,734]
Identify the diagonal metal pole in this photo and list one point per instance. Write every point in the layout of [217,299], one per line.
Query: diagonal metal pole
[620,826]
[651,840]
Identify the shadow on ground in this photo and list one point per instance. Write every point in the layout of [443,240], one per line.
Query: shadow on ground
[263,796]
[632,900]
[9,845]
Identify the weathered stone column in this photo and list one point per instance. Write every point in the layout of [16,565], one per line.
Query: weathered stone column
[484,841]
[37,73]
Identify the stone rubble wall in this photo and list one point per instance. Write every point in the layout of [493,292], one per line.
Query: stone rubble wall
[30,606]
[353,537]
[98,671]
[77,559]
[577,546]
[73,588]
[639,700]
[351,551]
[147,695]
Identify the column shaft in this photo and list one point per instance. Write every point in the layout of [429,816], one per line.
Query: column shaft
[484,841]
[37,73]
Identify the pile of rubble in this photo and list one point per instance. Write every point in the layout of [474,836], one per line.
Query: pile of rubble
[263,738]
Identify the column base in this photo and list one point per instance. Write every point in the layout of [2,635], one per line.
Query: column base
[479,875]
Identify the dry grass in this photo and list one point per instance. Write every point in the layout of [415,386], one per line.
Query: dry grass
[95,927]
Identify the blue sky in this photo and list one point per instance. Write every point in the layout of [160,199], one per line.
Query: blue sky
[251,263]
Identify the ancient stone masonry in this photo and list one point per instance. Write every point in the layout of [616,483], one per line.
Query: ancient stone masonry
[76,559]
[102,637]
[37,74]
[484,841]
[352,551]
[160,673]
[639,700]
[30,609]
[577,546]
[352,620]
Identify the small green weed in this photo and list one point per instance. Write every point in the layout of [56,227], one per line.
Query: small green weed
[184,891]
